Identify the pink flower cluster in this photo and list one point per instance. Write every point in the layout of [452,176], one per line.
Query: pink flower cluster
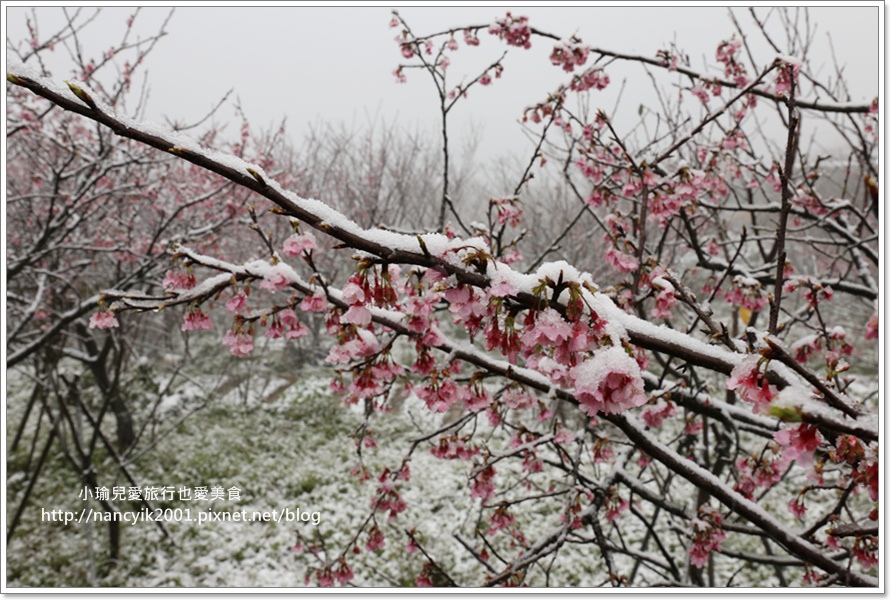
[872,327]
[727,54]
[275,282]
[239,343]
[624,263]
[513,30]
[500,519]
[103,319]
[654,414]
[593,78]
[814,291]
[665,299]
[453,448]
[754,473]
[747,292]
[508,210]
[196,320]
[569,55]
[482,484]
[787,75]
[286,324]
[341,572]
[299,243]
[707,535]
[179,280]
[800,443]
[375,539]
[750,385]
[615,505]
[608,382]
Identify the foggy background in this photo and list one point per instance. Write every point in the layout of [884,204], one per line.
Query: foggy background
[310,65]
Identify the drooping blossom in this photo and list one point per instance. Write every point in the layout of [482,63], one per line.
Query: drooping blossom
[750,385]
[314,303]
[104,319]
[179,280]
[196,320]
[483,484]
[513,30]
[569,55]
[797,507]
[799,443]
[700,93]
[299,243]
[364,345]
[343,573]
[240,344]
[237,303]
[594,78]
[872,327]
[665,299]
[624,263]
[293,328]
[655,414]
[375,539]
[707,535]
[747,292]
[548,330]
[500,519]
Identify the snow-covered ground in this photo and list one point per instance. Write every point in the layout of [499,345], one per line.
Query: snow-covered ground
[294,452]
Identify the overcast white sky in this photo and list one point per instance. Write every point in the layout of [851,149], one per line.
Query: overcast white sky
[335,64]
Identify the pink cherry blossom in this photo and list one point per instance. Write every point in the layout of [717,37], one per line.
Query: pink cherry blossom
[357,315]
[275,282]
[179,280]
[700,93]
[751,386]
[569,55]
[353,294]
[195,319]
[549,330]
[608,382]
[707,535]
[800,442]
[315,303]
[654,414]
[513,30]
[237,303]
[482,484]
[375,539]
[240,344]
[622,262]
[275,330]
[594,78]
[103,320]
[797,507]
[500,519]
[299,243]
[872,327]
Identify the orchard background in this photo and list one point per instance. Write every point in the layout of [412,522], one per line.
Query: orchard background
[642,352]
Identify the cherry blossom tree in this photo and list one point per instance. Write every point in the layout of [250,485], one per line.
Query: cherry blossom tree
[705,401]
[89,210]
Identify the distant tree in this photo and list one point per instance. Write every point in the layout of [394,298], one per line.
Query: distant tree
[88,210]
[707,403]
